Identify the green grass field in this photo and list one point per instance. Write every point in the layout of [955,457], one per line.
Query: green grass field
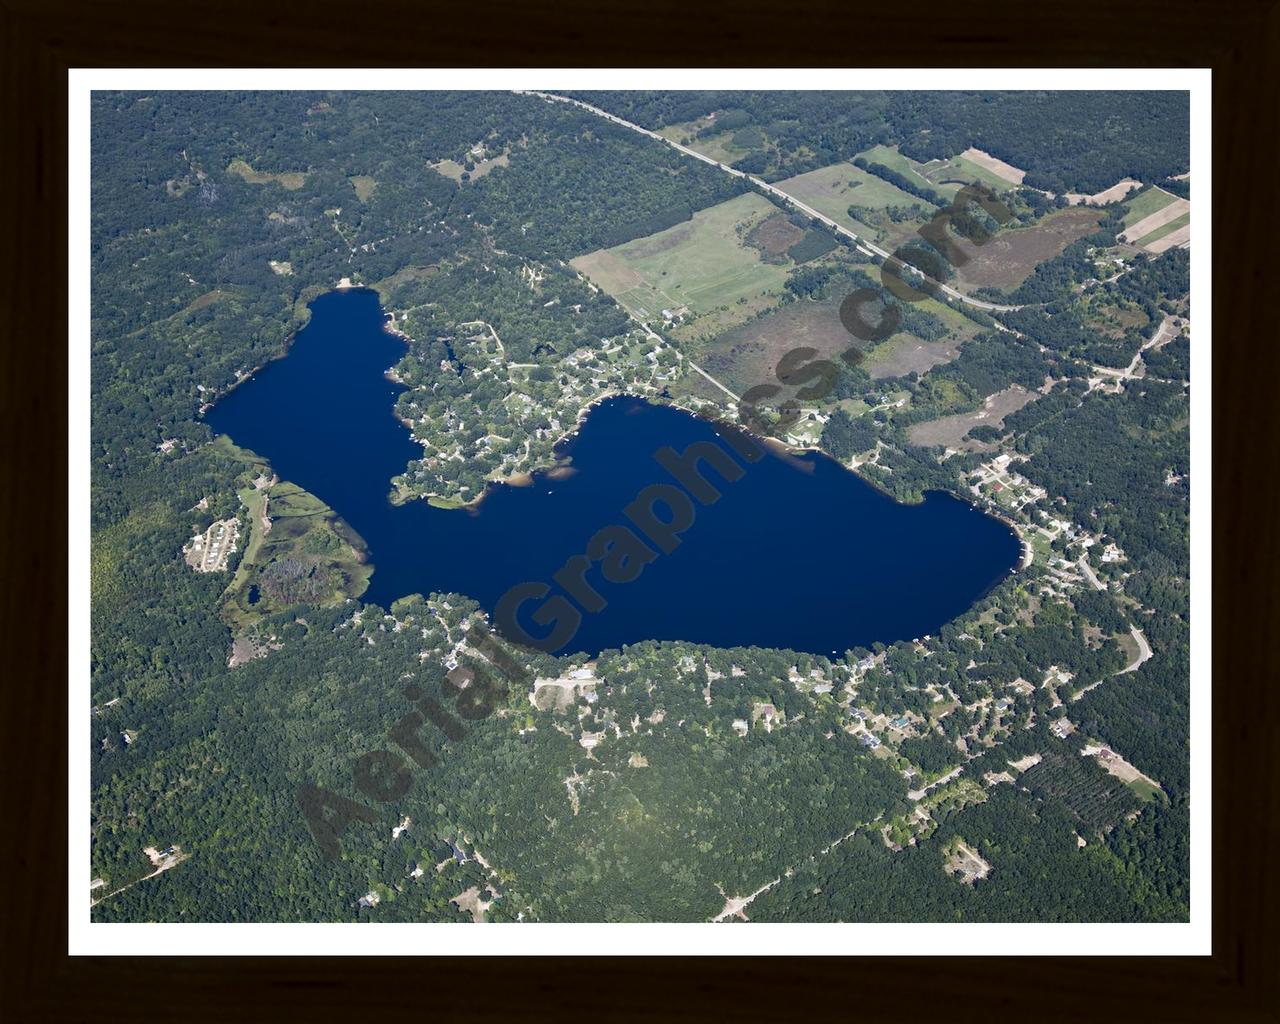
[945,177]
[1040,545]
[948,175]
[719,147]
[895,161]
[832,190]
[290,500]
[1149,202]
[1144,790]
[680,132]
[702,263]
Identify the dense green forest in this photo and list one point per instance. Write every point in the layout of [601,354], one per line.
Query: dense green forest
[659,780]
[1065,141]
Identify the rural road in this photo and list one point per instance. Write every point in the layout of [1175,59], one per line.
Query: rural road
[681,356]
[1087,569]
[1144,651]
[1163,333]
[918,794]
[1166,330]
[866,247]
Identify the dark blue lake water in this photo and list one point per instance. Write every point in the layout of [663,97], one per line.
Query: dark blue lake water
[798,552]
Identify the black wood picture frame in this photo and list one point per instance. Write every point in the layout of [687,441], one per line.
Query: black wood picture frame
[42,40]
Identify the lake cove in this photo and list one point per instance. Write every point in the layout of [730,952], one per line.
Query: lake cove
[796,552]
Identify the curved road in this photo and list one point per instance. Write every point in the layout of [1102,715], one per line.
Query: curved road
[865,247]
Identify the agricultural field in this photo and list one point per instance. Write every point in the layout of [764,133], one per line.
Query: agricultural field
[895,161]
[705,264]
[993,165]
[1144,205]
[833,190]
[1165,224]
[748,355]
[775,236]
[1108,195]
[946,177]
[1166,236]
[1010,257]
[780,239]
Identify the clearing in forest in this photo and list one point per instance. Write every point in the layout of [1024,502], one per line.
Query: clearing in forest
[1143,785]
[950,431]
[364,186]
[288,528]
[726,146]
[905,353]
[292,180]
[453,169]
[964,862]
[469,902]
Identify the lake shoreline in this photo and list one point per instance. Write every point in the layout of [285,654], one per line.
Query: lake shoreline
[871,568]
[528,476]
